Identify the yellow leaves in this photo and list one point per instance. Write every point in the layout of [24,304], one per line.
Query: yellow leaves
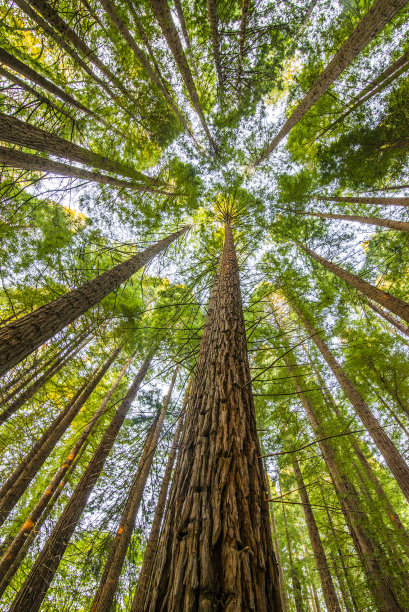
[383,284]
[75,216]
[365,246]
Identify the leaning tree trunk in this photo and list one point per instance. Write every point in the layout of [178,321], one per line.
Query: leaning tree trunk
[109,580]
[402,226]
[216,549]
[26,161]
[388,317]
[24,134]
[380,13]
[392,303]
[152,544]
[19,338]
[383,201]
[390,453]
[13,551]
[327,584]
[35,587]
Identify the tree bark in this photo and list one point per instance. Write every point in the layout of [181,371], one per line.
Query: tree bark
[35,587]
[146,572]
[388,317]
[26,161]
[214,34]
[17,483]
[328,588]
[382,201]
[392,303]
[402,226]
[23,134]
[162,13]
[380,13]
[392,457]
[35,515]
[109,580]
[216,551]
[19,338]
[283,592]
[297,591]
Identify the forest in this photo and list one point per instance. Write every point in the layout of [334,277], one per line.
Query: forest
[204,305]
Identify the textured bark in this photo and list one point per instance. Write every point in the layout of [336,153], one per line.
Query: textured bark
[13,551]
[18,482]
[283,592]
[378,582]
[392,457]
[380,13]
[52,17]
[214,34]
[162,13]
[388,317]
[215,551]
[61,41]
[27,161]
[382,201]
[35,587]
[32,389]
[152,544]
[402,226]
[109,580]
[22,337]
[23,134]
[328,588]
[394,304]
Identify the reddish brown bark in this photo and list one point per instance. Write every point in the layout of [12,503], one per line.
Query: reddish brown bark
[388,317]
[392,303]
[380,13]
[17,483]
[21,337]
[393,458]
[109,580]
[35,587]
[152,544]
[382,201]
[327,584]
[402,226]
[13,551]
[215,551]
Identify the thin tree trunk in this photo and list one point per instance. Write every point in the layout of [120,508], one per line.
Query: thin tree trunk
[162,13]
[20,338]
[17,483]
[182,21]
[380,13]
[283,592]
[402,226]
[328,588]
[388,317]
[392,412]
[109,580]
[35,515]
[31,390]
[216,548]
[214,34]
[390,187]
[297,591]
[382,201]
[26,161]
[152,544]
[392,303]
[245,8]
[35,587]
[21,133]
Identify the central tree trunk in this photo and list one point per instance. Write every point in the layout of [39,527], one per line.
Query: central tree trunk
[216,551]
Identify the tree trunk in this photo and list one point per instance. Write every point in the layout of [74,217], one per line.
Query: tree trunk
[214,34]
[216,551]
[328,588]
[17,483]
[146,572]
[388,317]
[21,133]
[109,580]
[20,338]
[402,226]
[392,457]
[297,591]
[162,13]
[35,587]
[382,201]
[394,304]
[390,187]
[35,515]
[380,13]
[283,593]
[26,161]
[31,390]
